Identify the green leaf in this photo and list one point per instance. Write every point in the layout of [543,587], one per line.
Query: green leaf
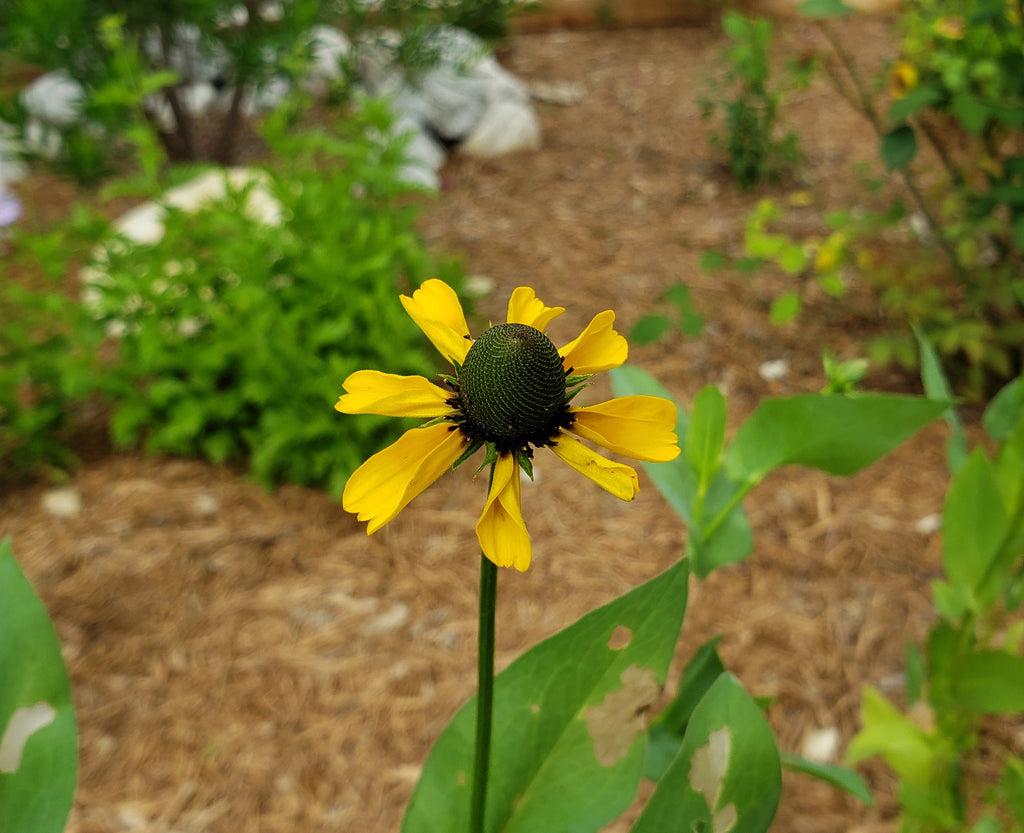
[727,775]
[38,741]
[836,434]
[898,147]
[712,260]
[974,524]
[1012,787]
[705,439]
[971,112]
[793,259]
[785,308]
[715,538]
[922,96]
[1005,410]
[667,731]
[889,734]
[568,738]
[838,776]
[825,8]
[649,328]
[990,682]
[936,386]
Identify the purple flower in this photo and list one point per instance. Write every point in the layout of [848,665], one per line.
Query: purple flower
[10,208]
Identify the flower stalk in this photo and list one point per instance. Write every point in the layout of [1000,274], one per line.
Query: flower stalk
[485,693]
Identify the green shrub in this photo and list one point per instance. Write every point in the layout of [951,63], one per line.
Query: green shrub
[234,336]
[748,99]
[47,350]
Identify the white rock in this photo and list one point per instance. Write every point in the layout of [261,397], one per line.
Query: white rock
[65,502]
[329,48]
[821,745]
[388,621]
[772,371]
[929,524]
[506,126]
[55,99]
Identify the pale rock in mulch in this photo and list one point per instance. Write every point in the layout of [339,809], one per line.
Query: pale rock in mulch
[145,223]
[53,102]
[64,502]
[560,93]
[773,370]
[505,127]
[329,47]
[821,745]
[390,620]
[929,524]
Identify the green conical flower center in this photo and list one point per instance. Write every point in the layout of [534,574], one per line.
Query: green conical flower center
[512,388]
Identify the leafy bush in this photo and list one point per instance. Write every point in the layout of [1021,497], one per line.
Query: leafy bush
[749,103]
[965,685]
[234,336]
[47,350]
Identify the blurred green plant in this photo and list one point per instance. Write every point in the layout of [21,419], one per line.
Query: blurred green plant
[748,100]
[233,334]
[682,315]
[965,685]
[47,350]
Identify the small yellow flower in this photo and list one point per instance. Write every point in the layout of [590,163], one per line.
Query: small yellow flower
[902,78]
[510,393]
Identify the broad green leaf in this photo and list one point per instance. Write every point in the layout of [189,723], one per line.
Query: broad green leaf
[676,480]
[825,8]
[974,524]
[1005,410]
[898,147]
[838,776]
[719,530]
[569,737]
[712,260]
[38,740]
[705,439]
[990,682]
[669,727]
[936,386]
[727,775]
[793,259]
[888,734]
[837,434]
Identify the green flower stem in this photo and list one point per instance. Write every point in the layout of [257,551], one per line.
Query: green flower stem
[485,692]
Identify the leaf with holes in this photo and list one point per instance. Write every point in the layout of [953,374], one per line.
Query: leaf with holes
[727,777]
[569,737]
[38,742]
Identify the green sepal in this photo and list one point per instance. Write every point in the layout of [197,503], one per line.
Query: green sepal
[490,458]
[469,452]
[574,384]
[452,381]
[525,463]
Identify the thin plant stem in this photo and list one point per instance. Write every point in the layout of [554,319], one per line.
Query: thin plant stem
[485,693]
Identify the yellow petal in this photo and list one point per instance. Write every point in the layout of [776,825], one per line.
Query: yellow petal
[383,486]
[501,530]
[641,427]
[524,307]
[387,394]
[620,480]
[436,310]
[597,348]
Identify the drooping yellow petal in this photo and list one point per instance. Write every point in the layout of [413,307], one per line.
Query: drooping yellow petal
[383,486]
[436,310]
[501,530]
[615,478]
[641,427]
[388,394]
[524,307]
[597,348]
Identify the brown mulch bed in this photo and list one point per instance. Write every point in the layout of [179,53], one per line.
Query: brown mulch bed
[245,661]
